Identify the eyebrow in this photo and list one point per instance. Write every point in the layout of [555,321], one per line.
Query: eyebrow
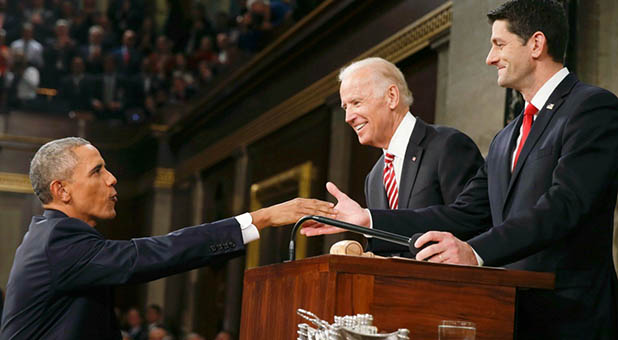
[96,168]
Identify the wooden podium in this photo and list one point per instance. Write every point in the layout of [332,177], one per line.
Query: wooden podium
[400,293]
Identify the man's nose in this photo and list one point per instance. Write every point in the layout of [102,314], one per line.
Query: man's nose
[491,57]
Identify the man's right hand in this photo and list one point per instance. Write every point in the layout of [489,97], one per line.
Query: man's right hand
[347,210]
[291,211]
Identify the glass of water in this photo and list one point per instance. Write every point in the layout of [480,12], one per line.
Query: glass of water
[456,330]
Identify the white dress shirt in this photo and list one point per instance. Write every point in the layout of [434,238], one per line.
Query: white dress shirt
[248,230]
[397,146]
[399,143]
[539,100]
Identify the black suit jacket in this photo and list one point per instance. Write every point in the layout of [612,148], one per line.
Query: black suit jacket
[554,213]
[60,286]
[438,162]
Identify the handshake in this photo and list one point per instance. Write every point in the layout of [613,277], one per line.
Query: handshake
[436,246]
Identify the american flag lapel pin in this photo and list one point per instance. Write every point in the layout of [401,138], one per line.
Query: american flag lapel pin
[550,106]
[414,159]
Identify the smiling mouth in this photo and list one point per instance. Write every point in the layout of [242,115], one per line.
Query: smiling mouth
[359,126]
[114,198]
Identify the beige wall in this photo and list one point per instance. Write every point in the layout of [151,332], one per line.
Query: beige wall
[597,53]
[474,101]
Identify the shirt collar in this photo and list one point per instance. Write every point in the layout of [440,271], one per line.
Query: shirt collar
[399,142]
[542,95]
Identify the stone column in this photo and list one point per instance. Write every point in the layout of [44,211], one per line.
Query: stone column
[161,218]
[341,138]
[475,102]
[441,46]
[597,49]
[235,267]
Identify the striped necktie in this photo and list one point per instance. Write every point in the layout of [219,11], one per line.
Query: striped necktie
[390,182]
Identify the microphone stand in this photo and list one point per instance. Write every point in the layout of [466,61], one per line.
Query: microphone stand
[379,234]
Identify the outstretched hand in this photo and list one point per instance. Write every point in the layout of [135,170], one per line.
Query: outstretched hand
[291,211]
[347,210]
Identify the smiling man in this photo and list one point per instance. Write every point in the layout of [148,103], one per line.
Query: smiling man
[548,186]
[61,283]
[421,164]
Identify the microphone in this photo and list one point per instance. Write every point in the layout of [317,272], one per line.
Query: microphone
[379,234]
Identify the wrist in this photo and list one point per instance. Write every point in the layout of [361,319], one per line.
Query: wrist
[260,218]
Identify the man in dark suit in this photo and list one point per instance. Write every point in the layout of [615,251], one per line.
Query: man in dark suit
[425,164]
[60,286]
[77,89]
[545,198]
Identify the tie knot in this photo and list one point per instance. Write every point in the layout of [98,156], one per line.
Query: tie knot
[530,110]
[388,158]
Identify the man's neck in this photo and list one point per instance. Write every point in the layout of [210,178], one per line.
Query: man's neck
[67,210]
[399,115]
[539,77]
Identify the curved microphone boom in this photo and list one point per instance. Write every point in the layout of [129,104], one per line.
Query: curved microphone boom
[379,234]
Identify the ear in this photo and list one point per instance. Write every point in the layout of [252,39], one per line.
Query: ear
[392,96]
[59,191]
[538,44]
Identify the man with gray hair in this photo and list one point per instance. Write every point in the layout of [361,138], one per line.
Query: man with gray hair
[422,164]
[61,283]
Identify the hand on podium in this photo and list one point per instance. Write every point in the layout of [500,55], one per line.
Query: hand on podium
[347,210]
[449,249]
[291,211]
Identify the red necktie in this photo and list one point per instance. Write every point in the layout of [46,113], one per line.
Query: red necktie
[390,182]
[526,125]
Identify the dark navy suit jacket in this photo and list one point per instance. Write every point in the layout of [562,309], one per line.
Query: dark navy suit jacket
[438,163]
[60,286]
[554,213]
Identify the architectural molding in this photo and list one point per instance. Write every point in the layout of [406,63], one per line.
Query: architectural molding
[12,182]
[401,45]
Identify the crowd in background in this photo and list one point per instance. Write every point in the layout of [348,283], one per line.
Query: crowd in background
[151,326]
[67,55]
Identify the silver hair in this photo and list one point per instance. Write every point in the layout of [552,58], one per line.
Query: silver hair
[386,74]
[53,161]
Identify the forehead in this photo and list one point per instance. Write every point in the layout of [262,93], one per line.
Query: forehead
[500,30]
[87,155]
[359,82]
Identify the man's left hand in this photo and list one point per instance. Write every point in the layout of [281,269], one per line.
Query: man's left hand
[449,249]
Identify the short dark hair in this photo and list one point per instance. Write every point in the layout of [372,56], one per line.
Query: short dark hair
[525,17]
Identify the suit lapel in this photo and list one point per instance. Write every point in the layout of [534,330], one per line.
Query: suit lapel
[503,158]
[545,115]
[411,163]
[377,198]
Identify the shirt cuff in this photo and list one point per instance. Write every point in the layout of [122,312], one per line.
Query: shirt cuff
[478,258]
[370,223]
[248,230]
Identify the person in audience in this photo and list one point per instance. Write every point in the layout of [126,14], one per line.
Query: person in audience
[135,325]
[128,58]
[204,53]
[194,336]
[32,49]
[42,19]
[110,91]
[58,54]
[77,89]
[224,335]
[158,333]
[22,81]
[93,53]
[154,316]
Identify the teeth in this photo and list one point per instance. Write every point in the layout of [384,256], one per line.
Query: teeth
[359,126]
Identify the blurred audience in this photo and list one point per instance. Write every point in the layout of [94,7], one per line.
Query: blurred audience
[117,63]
